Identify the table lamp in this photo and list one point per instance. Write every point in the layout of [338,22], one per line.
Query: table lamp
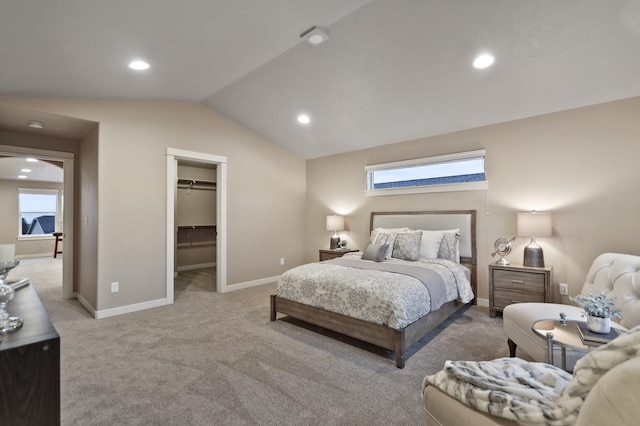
[335,223]
[534,224]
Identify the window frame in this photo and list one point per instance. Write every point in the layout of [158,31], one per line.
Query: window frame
[423,189]
[59,193]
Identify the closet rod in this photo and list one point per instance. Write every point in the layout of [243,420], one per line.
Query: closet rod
[190,227]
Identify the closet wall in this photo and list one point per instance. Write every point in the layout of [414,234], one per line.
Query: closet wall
[195,216]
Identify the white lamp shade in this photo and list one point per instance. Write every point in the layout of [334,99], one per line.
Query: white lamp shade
[534,224]
[335,223]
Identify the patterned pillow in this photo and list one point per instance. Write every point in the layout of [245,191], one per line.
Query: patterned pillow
[381,238]
[407,245]
[375,252]
[450,247]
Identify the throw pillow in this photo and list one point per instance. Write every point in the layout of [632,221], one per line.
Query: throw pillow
[450,247]
[407,246]
[375,252]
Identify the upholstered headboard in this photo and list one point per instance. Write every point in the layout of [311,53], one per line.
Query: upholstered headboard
[465,220]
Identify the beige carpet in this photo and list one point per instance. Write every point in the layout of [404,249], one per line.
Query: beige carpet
[216,359]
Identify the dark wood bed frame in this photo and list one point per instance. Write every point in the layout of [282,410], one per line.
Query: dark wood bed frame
[397,341]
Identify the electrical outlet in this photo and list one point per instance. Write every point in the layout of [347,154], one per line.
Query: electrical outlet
[115,287]
[564,289]
[282,261]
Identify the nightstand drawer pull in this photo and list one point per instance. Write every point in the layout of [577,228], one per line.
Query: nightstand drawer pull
[517,281]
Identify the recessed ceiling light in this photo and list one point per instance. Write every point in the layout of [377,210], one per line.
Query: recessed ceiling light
[25,170]
[36,124]
[22,177]
[32,160]
[304,119]
[139,65]
[315,35]
[484,61]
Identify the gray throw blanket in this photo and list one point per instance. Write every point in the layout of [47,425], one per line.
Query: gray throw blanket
[532,393]
[432,281]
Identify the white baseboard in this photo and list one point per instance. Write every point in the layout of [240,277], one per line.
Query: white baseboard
[121,310]
[248,284]
[33,256]
[85,304]
[106,313]
[482,302]
[198,266]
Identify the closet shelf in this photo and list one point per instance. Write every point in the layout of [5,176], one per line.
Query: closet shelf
[196,184]
[196,244]
[192,227]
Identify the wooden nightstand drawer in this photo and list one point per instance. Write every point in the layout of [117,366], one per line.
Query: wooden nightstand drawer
[502,298]
[514,283]
[522,281]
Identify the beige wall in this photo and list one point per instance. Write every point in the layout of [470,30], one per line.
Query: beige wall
[580,164]
[266,193]
[86,207]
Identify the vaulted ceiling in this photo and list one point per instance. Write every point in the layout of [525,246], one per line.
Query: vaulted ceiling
[392,70]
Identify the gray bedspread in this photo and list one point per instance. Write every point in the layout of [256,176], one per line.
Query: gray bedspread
[393,299]
[432,281]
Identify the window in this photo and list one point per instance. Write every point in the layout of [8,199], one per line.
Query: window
[40,212]
[462,171]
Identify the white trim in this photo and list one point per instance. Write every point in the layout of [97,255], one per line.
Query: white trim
[173,155]
[450,187]
[36,190]
[85,303]
[121,310]
[254,283]
[44,154]
[33,256]
[198,266]
[35,237]
[427,160]
[221,228]
[424,189]
[482,302]
[192,155]
[172,176]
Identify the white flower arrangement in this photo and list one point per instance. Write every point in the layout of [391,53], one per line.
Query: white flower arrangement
[598,305]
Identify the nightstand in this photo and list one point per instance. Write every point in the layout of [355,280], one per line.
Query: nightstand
[516,283]
[332,254]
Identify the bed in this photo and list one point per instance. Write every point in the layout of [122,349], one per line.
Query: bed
[300,293]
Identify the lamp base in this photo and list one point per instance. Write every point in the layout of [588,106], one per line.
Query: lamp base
[335,240]
[533,256]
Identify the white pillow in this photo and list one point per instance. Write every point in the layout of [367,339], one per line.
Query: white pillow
[430,243]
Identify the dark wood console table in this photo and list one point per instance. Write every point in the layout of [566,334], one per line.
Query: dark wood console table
[30,365]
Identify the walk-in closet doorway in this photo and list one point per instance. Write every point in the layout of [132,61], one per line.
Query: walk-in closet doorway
[196,215]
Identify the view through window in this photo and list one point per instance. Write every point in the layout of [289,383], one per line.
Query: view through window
[451,172]
[40,211]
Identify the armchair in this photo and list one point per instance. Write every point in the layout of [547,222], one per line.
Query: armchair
[619,273]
